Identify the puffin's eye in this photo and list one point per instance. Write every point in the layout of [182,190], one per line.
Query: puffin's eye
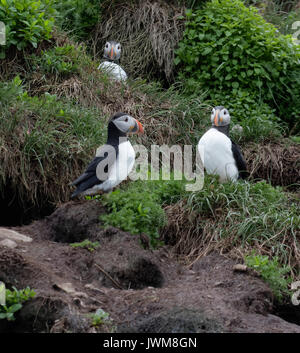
[225,112]
[106,45]
[126,120]
[118,47]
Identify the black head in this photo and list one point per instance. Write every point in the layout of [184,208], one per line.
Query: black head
[121,124]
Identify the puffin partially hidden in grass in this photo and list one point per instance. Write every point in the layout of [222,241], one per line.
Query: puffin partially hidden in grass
[219,154]
[114,160]
[110,64]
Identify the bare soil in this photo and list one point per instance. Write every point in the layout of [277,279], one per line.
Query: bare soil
[143,290]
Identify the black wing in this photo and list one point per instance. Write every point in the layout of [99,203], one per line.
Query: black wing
[89,178]
[240,161]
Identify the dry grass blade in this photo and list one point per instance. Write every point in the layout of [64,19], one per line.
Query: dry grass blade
[149,32]
[109,276]
[278,163]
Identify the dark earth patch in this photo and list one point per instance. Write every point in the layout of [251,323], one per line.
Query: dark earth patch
[154,292]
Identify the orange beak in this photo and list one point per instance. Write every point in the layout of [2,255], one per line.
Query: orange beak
[141,129]
[216,118]
[112,52]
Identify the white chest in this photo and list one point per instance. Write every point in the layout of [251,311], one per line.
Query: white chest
[215,150]
[113,70]
[122,167]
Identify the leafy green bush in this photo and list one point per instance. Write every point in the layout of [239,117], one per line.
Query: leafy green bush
[272,272]
[14,300]
[27,22]
[61,61]
[138,208]
[78,16]
[136,212]
[229,47]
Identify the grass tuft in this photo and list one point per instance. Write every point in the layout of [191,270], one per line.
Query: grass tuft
[234,218]
[45,142]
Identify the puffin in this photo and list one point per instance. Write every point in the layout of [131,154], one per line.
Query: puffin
[113,161]
[219,154]
[111,60]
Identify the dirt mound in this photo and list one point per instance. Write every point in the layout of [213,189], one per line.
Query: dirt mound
[73,222]
[142,290]
[175,321]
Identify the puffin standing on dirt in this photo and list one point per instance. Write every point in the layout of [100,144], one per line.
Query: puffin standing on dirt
[114,160]
[219,154]
[110,64]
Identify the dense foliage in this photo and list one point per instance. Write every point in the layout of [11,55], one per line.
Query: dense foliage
[228,47]
[60,61]
[27,22]
[138,208]
[78,17]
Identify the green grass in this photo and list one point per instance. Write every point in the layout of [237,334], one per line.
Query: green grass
[253,213]
[295,139]
[242,215]
[171,116]
[45,141]
[60,61]
[272,273]
[86,244]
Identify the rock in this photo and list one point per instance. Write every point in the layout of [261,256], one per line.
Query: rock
[68,288]
[92,287]
[8,243]
[240,268]
[2,293]
[237,128]
[13,235]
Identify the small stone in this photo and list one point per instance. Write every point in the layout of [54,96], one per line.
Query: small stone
[237,128]
[8,243]
[68,288]
[12,235]
[218,284]
[90,286]
[240,268]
